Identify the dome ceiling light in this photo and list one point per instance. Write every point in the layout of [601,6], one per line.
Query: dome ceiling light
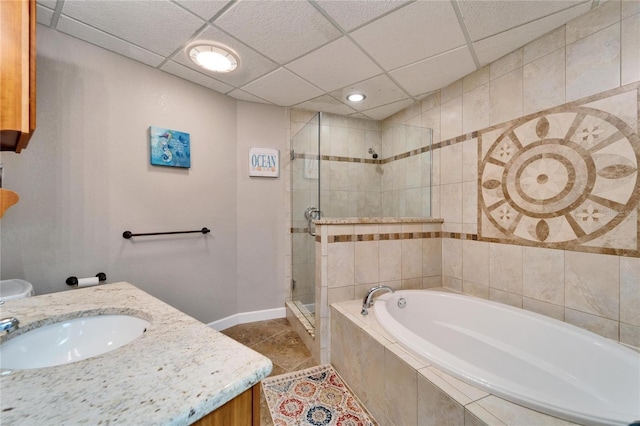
[212,57]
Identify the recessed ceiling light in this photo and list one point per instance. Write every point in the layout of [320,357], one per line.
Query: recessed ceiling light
[212,57]
[356,97]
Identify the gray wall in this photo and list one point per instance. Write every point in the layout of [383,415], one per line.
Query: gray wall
[262,205]
[85,178]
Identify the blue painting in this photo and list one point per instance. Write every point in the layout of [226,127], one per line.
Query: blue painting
[169,147]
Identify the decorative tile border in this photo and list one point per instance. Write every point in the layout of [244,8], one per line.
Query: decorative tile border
[337,158]
[299,230]
[377,220]
[438,145]
[417,151]
[565,178]
[453,141]
[396,236]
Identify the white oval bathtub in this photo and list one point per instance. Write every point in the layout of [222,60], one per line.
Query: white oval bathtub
[532,360]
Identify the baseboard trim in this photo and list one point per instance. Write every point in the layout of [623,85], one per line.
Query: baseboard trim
[245,317]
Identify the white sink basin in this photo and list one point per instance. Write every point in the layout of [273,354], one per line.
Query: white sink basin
[70,341]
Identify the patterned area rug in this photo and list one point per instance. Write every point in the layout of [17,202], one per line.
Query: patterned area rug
[315,396]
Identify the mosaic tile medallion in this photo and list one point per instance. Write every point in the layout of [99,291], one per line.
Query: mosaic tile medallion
[566,178]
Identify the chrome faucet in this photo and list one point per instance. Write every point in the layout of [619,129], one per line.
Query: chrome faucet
[9,324]
[366,302]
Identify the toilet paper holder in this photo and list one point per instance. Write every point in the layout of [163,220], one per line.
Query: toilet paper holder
[74,281]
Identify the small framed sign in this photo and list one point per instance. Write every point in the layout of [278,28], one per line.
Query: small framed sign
[264,162]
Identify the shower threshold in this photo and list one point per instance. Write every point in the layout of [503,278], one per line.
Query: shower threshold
[304,315]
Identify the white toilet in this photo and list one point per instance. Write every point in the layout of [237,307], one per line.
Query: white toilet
[15,289]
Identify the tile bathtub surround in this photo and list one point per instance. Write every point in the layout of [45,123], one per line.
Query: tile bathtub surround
[557,186]
[175,373]
[399,389]
[593,291]
[355,254]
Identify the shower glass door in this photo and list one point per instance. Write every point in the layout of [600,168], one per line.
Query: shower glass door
[305,207]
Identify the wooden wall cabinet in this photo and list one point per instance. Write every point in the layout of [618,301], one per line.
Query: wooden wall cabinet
[17,73]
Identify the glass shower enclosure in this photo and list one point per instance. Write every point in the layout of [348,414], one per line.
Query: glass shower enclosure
[349,167]
[305,207]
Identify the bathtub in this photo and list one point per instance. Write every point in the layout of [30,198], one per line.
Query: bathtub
[529,359]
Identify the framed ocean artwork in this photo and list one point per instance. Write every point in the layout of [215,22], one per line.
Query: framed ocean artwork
[169,147]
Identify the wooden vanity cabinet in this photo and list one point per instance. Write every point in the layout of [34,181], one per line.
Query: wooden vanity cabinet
[17,73]
[243,410]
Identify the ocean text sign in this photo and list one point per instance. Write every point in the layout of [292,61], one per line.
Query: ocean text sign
[264,162]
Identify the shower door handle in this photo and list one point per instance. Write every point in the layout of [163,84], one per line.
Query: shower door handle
[311,214]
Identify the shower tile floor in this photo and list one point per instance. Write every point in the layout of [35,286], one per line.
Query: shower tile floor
[276,340]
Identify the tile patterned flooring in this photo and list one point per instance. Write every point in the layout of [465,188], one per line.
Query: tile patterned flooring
[276,340]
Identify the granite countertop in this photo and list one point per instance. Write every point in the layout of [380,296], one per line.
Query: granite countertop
[178,371]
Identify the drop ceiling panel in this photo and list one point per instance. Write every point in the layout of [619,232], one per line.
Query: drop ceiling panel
[43,15]
[326,104]
[107,41]
[283,88]
[414,32]
[352,14]
[281,30]
[206,9]
[158,26]
[51,4]
[244,96]
[335,65]
[385,111]
[630,8]
[442,70]
[486,18]
[251,64]
[380,90]
[492,48]
[191,75]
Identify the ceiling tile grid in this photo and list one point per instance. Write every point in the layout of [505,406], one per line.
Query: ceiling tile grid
[441,69]
[244,96]
[326,103]
[492,48]
[484,19]
[251,63]
[158,26]
[416,32]
[335,65]
[310,54]
[107,41]
[50,4]
[282,87]
[195,77]
[44,15]
[205,9]
[380,90]
[350,15]
[283,30]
